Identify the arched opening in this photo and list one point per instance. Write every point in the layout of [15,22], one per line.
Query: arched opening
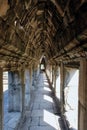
[43,64]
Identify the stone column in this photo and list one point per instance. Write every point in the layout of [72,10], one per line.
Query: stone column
[22,91]
[31,79]
[54,78]
[51,73]
[27,88]
[82,115]
[15,91]
[62,87]
[48,70]
[38,71]
[34,77]
[1,99]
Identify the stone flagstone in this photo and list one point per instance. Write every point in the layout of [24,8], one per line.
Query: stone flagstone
[42,115]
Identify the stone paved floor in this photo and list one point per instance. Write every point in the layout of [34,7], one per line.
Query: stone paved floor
[42,115]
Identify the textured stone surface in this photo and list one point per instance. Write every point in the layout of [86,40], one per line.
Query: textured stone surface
[11,119]
[30,29]
[27,88]
[71,97]
[15,91]
[42,115]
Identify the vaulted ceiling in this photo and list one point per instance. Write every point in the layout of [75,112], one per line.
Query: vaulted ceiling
[29,29]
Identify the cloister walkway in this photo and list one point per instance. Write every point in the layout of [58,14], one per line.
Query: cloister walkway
[44,114]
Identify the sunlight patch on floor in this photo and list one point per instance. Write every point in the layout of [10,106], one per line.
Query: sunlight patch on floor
[50,119]
[47,89]
[48,98]
[46,83]
[5,88]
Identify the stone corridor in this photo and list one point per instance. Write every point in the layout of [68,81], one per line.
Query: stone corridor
[49,36]
[43,109]
[43,113]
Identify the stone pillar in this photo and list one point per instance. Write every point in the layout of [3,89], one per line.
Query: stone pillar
[82,115]
[62,87]
[27,88]
[38,71]
[51,73]
[1,99]
[54,78]
[15,91]
[30,80]
[22,91]
[34,77]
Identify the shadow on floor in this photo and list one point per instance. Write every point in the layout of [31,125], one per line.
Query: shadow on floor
[72,129]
